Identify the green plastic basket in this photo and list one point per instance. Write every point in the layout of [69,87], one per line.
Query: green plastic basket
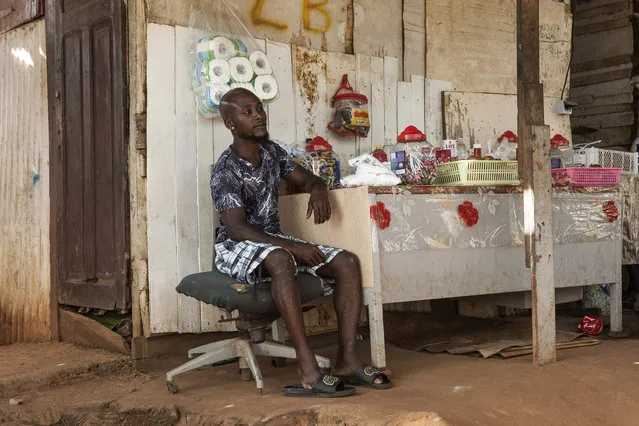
[478,172]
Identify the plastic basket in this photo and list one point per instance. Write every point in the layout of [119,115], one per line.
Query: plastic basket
[626,161]
[476,172]
[586,176]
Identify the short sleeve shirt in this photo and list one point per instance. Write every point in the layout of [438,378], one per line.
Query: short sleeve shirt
[237,183]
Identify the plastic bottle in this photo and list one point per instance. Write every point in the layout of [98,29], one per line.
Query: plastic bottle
[565,150]
[477,151]
[556,160]
[380,154]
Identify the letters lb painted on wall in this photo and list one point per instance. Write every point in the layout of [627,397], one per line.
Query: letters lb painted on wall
[310,8]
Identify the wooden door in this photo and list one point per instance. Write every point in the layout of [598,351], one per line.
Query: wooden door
[87,109]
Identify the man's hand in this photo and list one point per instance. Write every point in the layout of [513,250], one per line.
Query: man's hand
[307,254]
[319,205]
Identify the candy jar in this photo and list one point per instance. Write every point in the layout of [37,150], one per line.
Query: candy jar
[322,161]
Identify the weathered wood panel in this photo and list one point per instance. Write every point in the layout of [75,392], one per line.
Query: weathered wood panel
[472,44]
[602,71]
[25,264]
[378,28]
[316,24]
[477,117]
[161,202]
[14,13]
[414,38]
[186,180]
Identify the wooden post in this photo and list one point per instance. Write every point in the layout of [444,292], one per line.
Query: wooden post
[534,162]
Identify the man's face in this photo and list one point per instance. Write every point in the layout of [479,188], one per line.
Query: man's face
[249,118]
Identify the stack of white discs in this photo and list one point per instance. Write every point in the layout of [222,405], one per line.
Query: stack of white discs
[224,64]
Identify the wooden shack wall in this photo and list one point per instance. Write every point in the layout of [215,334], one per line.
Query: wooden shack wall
[470,45]
[602,72]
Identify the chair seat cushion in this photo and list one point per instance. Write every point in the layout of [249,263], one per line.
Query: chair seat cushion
[226,293]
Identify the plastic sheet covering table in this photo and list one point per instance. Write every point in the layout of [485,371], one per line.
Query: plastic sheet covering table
[630,191]
[425,243]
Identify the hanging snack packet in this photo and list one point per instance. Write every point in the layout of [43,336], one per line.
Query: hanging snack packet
[226,56]
[351,111]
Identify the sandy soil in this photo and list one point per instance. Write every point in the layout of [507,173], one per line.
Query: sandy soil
[67,385]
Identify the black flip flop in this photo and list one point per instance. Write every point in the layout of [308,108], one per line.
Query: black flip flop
[325,387]
[365,377]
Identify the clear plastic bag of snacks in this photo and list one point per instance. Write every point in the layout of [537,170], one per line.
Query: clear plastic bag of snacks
[351,111]
[420,164]
[225,56]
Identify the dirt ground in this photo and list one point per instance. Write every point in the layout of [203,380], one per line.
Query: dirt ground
[63,384]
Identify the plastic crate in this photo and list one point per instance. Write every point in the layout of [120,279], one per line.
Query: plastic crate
[477,172]
[586,176]
[628,162]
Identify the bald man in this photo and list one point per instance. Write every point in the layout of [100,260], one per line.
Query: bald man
[251,248]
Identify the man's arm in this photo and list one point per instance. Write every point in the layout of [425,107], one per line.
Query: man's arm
[239,230]
[318,204]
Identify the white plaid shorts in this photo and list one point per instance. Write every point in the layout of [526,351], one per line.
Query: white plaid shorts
[242,260]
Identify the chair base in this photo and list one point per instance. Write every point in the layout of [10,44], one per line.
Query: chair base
[237,348]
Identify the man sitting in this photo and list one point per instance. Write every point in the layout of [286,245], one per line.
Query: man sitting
[251,248]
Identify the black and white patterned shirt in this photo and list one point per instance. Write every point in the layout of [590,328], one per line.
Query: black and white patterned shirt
[237,183]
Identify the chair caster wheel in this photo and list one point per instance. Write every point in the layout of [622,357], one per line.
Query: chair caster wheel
[278,362]
[247,376]
[172,388]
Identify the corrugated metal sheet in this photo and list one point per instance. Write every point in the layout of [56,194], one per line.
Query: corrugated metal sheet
[24,187]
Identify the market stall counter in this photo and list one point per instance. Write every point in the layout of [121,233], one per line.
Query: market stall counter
[435,242]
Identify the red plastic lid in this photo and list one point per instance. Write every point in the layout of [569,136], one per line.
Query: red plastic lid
[318,144]
[559,140]
[411,134]
[508,135]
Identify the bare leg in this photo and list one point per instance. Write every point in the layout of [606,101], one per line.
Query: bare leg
[280,265]
[345,269]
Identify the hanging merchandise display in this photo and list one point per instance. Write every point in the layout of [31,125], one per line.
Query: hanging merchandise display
[227,57]
[351,111]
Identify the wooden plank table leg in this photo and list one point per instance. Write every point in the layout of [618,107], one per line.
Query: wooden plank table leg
[376,325]
[616,309]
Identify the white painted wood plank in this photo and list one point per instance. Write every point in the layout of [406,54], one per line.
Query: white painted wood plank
[338,64]
[204,202]
[222,138]
[363,85]
[281,122]
[404,106]
[211,315]
[205,156]
[417,101]
[434,117]
[391,77]
[163,299]
[376,135]
[186,190]
[311,100]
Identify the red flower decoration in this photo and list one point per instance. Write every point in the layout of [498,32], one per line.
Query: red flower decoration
[611,211]
[381,215]
[468,213]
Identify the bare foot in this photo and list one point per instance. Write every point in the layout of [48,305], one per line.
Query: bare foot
[309,371]
[348,368]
